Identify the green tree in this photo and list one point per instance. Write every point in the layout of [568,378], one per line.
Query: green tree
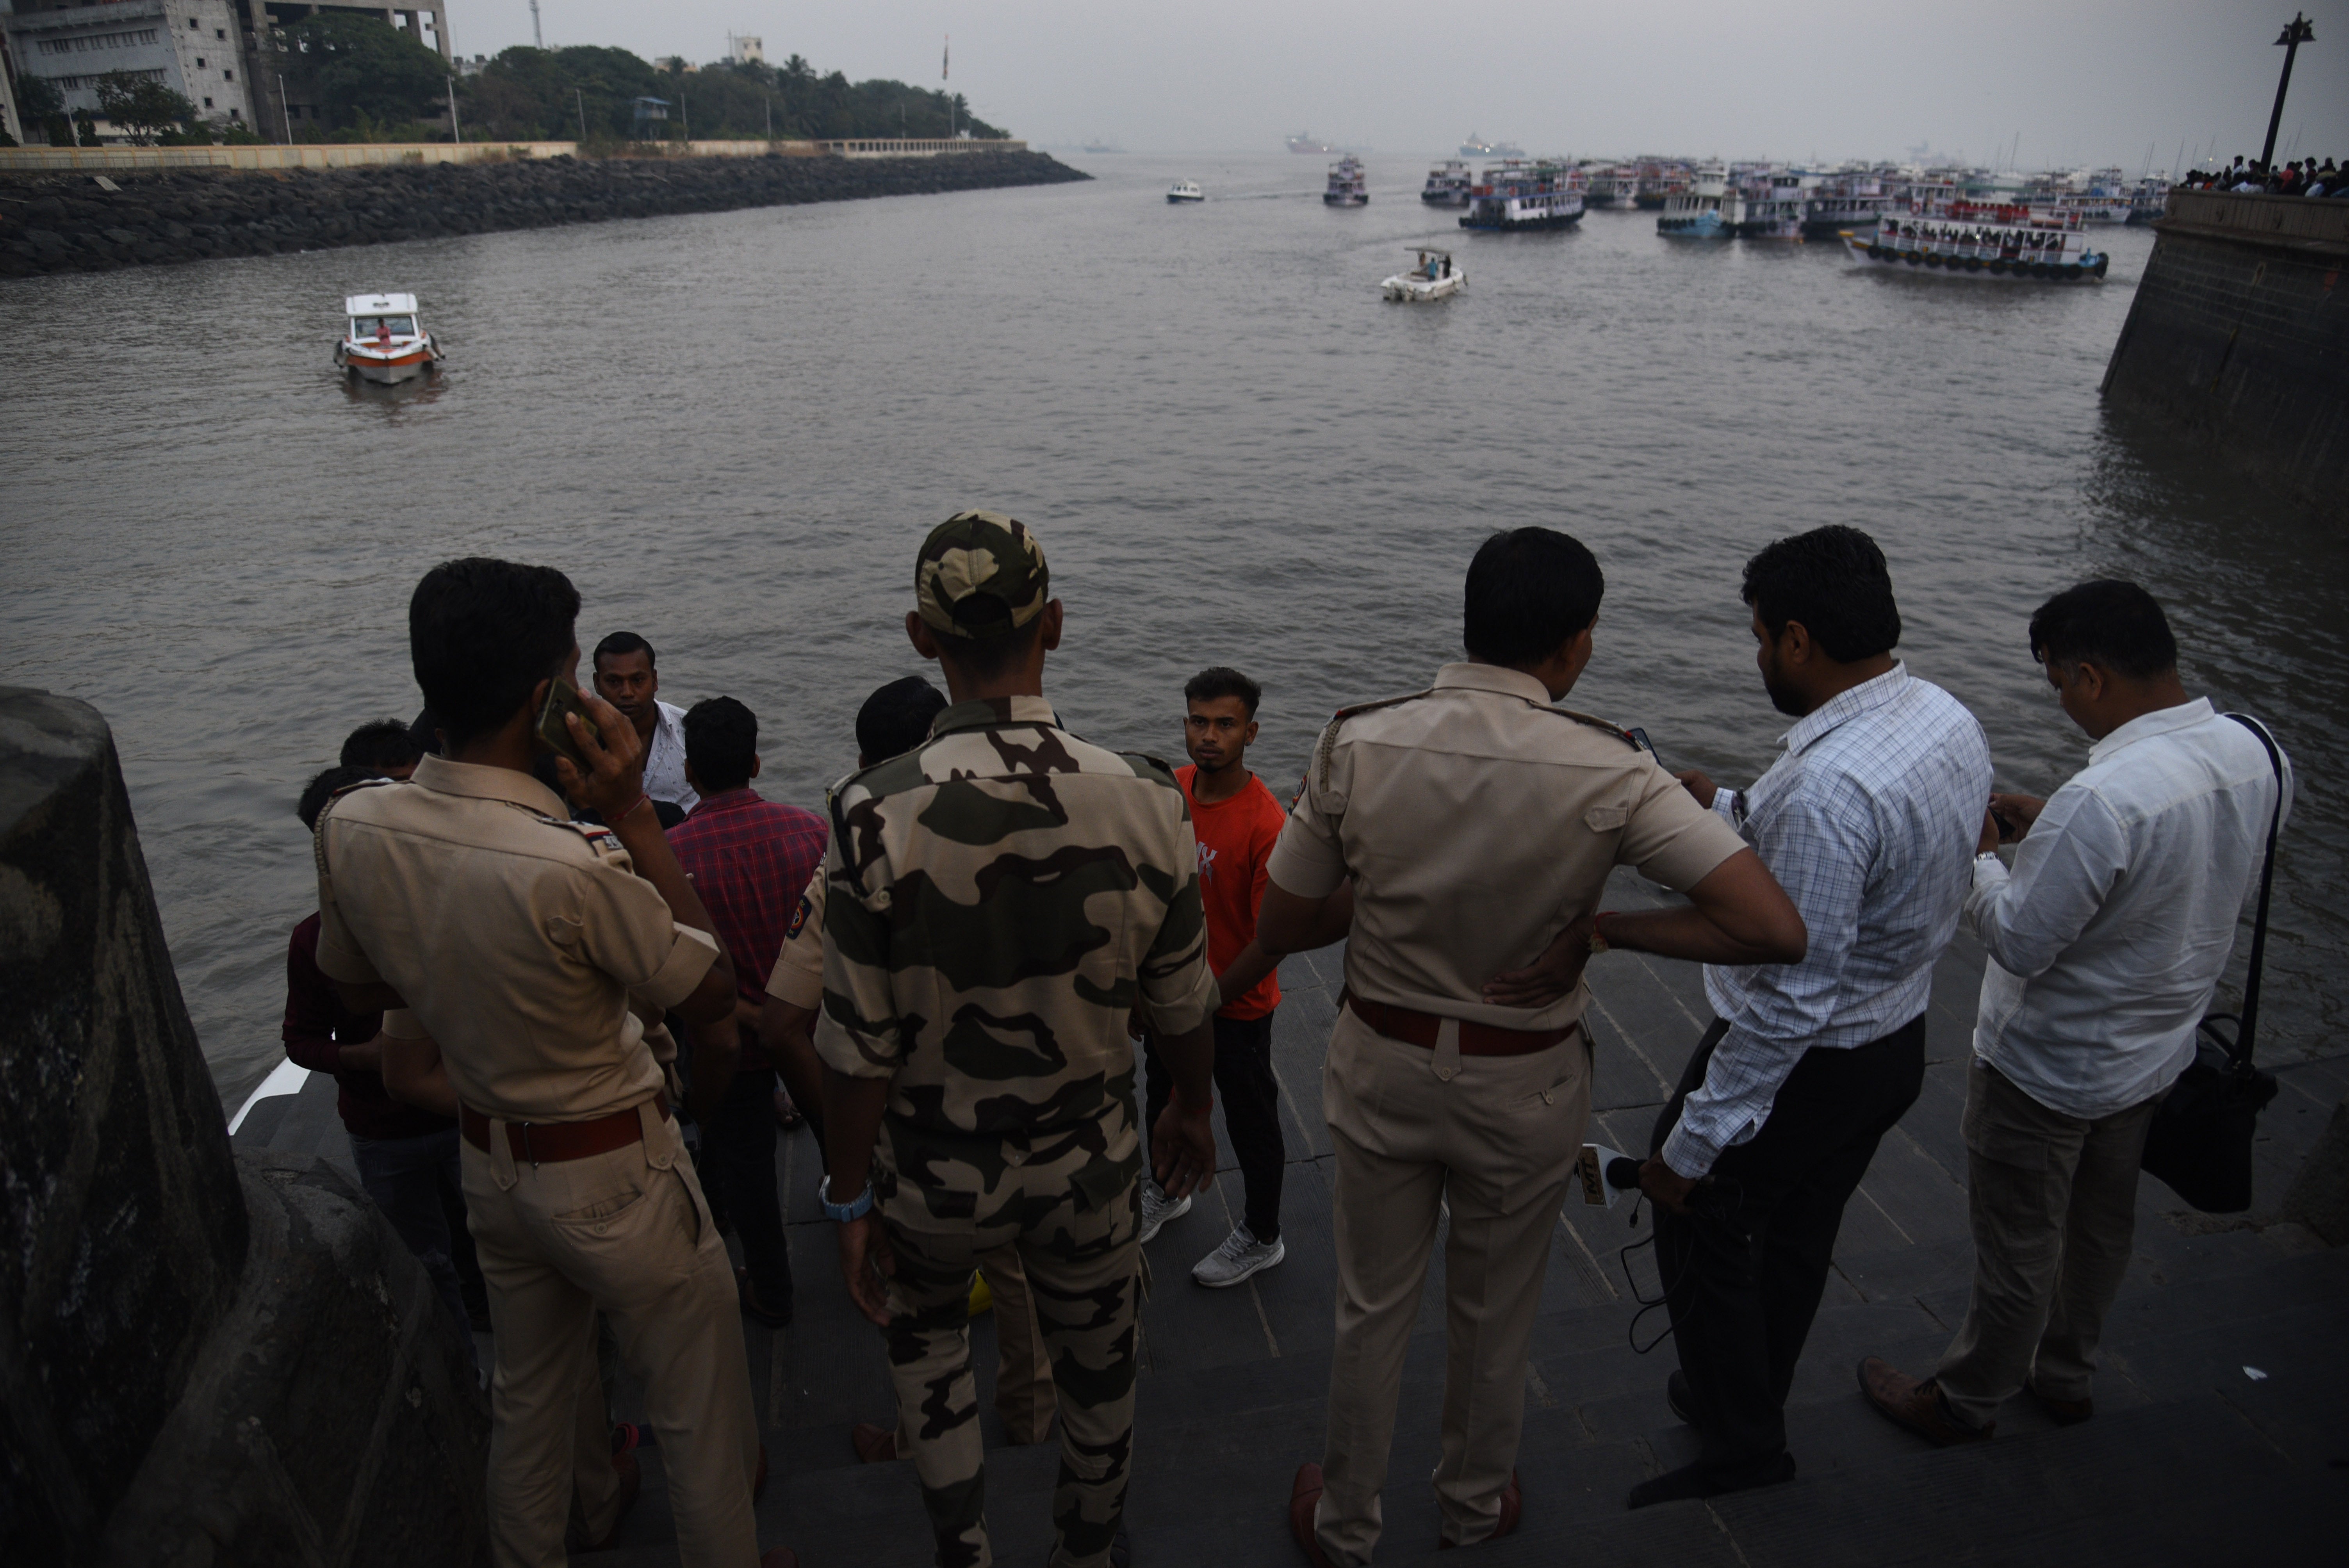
[351,64]
[38,102]
[526,93]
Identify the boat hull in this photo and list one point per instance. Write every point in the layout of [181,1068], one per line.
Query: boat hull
[1183,200]
[387,369]
[1511,226]
[1868,253]
[1445,198]
[1334,199]
[1705,226]
[1423,291]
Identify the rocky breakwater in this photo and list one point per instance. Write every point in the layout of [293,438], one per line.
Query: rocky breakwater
[205,1357]
[68,222]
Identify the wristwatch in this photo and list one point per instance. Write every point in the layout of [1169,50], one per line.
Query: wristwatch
[844,1212]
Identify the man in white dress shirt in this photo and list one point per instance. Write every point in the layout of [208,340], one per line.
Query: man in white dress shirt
[2107,942]
[1868,822]
[626,678]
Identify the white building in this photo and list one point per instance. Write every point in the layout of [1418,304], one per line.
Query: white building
[745,50]
[195,47]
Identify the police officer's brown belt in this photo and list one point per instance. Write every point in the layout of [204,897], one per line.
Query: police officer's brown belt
[550,1142]
[1413,1027]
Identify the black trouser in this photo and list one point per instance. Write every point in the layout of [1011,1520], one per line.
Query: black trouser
[1251,1098]
[1744,1271]
[737,1159]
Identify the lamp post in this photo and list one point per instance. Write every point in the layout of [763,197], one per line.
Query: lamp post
[2296,31]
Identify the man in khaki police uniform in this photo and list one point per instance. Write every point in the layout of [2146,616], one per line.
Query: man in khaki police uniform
[1477,824]
[511,941]
[1000,900]
[896,719]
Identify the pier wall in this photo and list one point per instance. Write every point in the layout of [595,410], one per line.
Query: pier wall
[54,222]
[204,1357]
[2238,339]
[358,154]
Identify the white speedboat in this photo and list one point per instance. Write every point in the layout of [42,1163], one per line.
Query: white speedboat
[383,341]
[1433,277]
[1183,190]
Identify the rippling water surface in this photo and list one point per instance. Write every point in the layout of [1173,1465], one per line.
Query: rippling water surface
[732,429]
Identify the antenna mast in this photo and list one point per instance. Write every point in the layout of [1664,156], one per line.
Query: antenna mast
[537,38]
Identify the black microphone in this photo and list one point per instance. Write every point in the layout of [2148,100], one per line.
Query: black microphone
[1623,1172]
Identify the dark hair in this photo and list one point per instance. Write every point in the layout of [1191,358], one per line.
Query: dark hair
[619,645]
[481,632]
[320,789]
[1833,581]
[380,745]
[424,733]
[984,658]
[2108,622]
[1529,590]
[897,717]
[722,740]
[1222,680]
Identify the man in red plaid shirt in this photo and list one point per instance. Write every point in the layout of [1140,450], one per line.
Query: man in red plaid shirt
[749,859]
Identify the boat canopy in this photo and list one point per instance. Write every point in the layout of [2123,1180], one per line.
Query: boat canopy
[379,304]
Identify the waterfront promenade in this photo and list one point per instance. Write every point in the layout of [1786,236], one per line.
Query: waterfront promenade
[2189,1458]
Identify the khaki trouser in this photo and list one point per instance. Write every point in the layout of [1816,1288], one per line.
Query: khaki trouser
[2054,1203]
[1024,1366]
[1063,1205]
[627,1233]
[1496,1138]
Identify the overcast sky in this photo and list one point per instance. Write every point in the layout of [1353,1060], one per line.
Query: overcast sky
[2080,82]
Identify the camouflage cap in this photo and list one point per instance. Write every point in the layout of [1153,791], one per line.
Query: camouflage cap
[980,574]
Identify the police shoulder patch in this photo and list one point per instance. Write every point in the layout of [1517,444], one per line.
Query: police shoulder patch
[798,918]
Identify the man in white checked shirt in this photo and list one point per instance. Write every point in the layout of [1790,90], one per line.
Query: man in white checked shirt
[1868,822]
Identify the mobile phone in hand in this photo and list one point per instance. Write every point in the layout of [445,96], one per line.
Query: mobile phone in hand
[2009,829]
[1639,738]
[562,698]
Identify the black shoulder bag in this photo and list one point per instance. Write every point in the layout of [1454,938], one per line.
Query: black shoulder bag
[2199,1144]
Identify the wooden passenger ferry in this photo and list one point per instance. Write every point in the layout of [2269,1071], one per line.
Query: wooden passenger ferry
[1948,233]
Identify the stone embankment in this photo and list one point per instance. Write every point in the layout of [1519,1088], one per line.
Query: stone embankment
[68,222]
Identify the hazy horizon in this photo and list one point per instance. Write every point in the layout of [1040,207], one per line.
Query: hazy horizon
[2078,83]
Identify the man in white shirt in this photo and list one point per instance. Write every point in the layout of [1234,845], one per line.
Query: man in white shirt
[626,678]
[1868,822]
[2107,942]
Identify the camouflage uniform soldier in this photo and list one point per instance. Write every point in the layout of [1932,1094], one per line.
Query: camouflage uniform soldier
[999,900]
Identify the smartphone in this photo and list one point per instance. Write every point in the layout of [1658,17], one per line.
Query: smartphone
[562,697]
[2009,829]
[1639,738]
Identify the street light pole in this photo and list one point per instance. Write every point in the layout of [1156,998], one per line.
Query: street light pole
[2296,31]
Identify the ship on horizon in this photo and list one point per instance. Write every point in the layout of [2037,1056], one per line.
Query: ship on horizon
[1305,141]
[1477,147]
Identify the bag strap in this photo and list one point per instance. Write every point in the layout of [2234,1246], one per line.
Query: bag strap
[2242,1052]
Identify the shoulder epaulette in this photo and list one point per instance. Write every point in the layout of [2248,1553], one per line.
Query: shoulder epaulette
[318,829]
[1329,740]
[1616,731]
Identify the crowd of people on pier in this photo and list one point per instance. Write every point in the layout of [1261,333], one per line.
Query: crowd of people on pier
[2300,176]
[1004,974]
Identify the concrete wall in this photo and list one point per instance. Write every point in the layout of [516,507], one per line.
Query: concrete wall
[2238,339]
[202,1359]
[356,154]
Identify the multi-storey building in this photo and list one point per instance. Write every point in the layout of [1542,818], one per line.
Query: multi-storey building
[225,57]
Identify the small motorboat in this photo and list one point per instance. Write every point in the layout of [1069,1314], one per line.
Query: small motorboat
[1433,277]
[1183,190]
[385,343]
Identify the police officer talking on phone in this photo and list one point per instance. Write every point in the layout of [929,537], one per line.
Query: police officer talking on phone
[507,944]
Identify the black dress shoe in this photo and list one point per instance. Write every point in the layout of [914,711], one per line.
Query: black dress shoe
[1677,1395]
[1696,1480]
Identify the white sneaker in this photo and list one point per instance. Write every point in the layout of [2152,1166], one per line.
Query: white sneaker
[1240,1255]
[1157,1208]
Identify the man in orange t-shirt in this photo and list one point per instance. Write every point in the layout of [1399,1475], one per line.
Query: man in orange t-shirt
[1235,819]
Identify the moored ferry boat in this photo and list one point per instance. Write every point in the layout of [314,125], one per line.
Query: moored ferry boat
[1614,188]
[1846,200]
[1447,184]
[1348,186]
[1704,211]
[383,341]
[2151,199]
[1515,196]
[1772,208]
[1946,232]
